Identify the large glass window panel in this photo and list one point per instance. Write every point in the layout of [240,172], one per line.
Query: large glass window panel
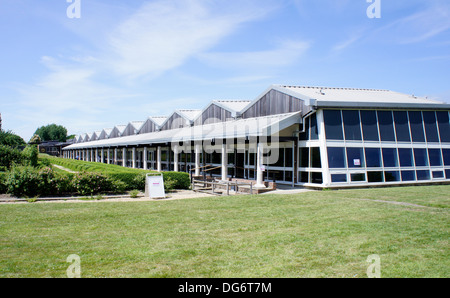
[369,125]
[423,175]
[416,122]
[336,158]
[373,157]
[333,124]
[303,177]
[401,126]
[420,155]
[338,178]
[304,157]
[355,158]
[444,126]
[406,157]
[408,176]
[435,157]
[438,174]
[314,129]
[446,156]
[429,119]
[316,178]
[315,158]
[305,135]
[280,161]
[390,157]
[288,157]
[358,177]
[352,127]
[447,174]
[391,176]
[373,177]
[386,124]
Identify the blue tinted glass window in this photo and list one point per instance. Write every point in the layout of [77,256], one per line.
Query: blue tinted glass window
[304,157]
[336,157]
[447,174]
[390,157]
[373,177]
[408,175]
[305,135]
[416,122]
[406,157]
[316,178]
[423,175]
[429,119]
[444,126]
[391,176]
[386,124]
[446,155]
[373,157]
[369,125]
[314,131]
[438,174]
[420,155]
[333,124]
[355,157]
[435,157]
[315,158]
[352,127]
[338,178]
[401,126]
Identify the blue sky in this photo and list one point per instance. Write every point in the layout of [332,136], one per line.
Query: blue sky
[124,61]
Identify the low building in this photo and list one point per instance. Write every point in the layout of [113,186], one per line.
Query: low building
[302,136]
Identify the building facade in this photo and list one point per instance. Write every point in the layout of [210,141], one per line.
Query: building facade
[301,136]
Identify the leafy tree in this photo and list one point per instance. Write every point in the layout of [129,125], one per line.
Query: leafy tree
[35,139]
[52,132]
[8,138]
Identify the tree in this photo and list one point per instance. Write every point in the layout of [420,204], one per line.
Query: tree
[8,138]
[35,140]
[52,132]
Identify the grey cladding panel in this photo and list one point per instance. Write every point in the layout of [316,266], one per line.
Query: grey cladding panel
[273,103]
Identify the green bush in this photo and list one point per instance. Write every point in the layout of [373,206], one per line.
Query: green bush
[23,181]
[181,180]
[91,183]
[2,183]
[10,156]
[30,154]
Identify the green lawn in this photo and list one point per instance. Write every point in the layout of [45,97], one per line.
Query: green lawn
[313,234]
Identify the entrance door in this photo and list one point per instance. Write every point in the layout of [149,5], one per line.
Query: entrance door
[239,165]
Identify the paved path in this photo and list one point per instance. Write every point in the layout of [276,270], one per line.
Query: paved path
[64,169]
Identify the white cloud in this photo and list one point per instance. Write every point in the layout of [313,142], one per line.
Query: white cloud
[286,54]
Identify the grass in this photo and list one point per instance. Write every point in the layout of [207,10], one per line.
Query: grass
[313,234]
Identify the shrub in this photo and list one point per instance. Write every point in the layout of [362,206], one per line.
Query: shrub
[2,183]
[181,180]
[169,184]
[134,194]
[30,154]
[10,156]
[91,183]
[23,181]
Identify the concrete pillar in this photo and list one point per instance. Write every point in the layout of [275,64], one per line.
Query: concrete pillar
[175,159]
[115,156]
[197,159]
[124,157]
[102,155]
[96,155]
[259,164]
[145,158]
[224,162]
[133,158]
[108,156]
[158,159]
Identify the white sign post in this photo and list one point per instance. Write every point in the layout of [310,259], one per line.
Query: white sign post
[154,186]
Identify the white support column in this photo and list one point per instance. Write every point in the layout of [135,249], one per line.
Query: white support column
[96,155]
[133,158]
[224,162]
[158,159]
[108,156]
[115,156]
[197,159]
[326,181]
[145,158]
[124,157]
[259,164]
[175,158]
[102,155]
[92,155]
[86,152]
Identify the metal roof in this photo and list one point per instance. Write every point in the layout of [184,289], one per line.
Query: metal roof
[241,128]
